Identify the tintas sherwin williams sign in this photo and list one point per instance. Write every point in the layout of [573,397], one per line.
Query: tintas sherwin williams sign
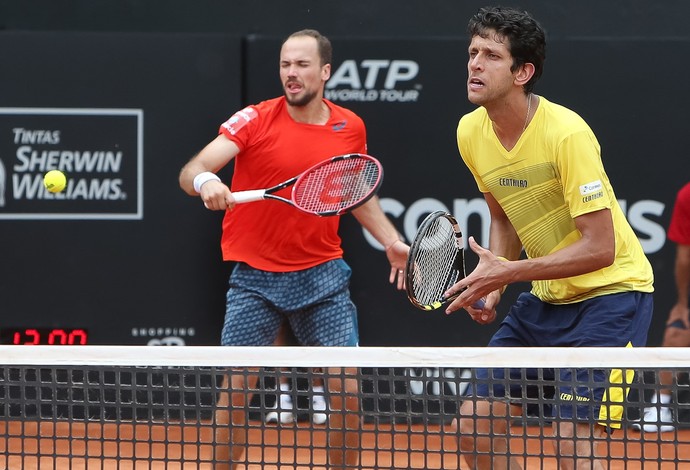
[100,151]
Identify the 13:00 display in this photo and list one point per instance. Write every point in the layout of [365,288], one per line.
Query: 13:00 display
[44,336]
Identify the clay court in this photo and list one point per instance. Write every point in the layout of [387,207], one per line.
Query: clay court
[80,445]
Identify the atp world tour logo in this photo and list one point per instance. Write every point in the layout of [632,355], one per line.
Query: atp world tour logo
[375,80]
[100,151]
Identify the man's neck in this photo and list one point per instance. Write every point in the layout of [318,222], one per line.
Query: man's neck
[509,119]
[316,112]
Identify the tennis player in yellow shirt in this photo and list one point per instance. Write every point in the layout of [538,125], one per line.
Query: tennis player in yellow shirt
[539,167]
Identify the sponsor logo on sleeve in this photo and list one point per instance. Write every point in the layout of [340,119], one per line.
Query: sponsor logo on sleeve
[240,119]
[592,191]
[590,188]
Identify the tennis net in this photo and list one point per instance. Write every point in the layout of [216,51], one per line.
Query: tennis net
[148,407]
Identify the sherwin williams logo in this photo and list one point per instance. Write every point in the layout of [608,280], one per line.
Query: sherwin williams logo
[374,80]
[100,151]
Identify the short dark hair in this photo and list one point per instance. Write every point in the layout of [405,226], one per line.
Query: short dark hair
[324,45]
[526,38]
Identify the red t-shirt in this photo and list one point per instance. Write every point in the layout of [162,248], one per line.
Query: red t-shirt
[271,235]
[679,229]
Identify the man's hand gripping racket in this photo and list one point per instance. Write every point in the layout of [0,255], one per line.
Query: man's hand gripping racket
[436,262]
[331,187]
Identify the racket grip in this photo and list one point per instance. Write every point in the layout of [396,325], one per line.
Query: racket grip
[479,304]
[248,196]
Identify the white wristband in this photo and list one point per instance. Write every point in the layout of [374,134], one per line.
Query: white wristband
[202,178]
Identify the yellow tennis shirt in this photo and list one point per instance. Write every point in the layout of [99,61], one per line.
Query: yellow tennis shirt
[552,175]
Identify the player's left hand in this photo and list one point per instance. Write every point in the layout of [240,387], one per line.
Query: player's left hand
[397,256]
[489,276]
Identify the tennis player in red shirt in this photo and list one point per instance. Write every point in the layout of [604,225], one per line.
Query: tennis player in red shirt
[657,416]
[289,265]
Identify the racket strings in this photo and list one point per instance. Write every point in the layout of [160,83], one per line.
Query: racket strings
[435,263]
[336,185]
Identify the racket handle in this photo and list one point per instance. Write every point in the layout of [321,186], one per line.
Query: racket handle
[479,304]
[249,196]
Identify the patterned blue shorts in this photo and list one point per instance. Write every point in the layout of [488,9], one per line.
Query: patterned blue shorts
[315,302]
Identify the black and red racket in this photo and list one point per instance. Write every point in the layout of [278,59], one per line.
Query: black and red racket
[436,261]
[331,187]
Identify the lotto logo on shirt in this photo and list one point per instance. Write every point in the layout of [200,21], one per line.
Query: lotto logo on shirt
[240,119]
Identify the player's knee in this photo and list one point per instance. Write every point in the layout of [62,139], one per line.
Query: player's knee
[466,429]
[468,421]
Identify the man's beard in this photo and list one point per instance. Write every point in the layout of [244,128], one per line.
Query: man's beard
[304,100]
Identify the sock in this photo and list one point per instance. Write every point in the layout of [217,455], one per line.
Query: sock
[663,398]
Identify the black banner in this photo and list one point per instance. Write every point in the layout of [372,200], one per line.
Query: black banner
[411,94]
[124,257]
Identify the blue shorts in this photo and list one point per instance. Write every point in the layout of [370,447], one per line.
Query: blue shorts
[615,320]
[315,302]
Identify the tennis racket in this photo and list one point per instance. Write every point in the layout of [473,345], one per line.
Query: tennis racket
[331,187]
[436,262]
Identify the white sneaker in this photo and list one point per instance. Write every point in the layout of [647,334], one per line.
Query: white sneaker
[655,419]
[318,406]
[284,413]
